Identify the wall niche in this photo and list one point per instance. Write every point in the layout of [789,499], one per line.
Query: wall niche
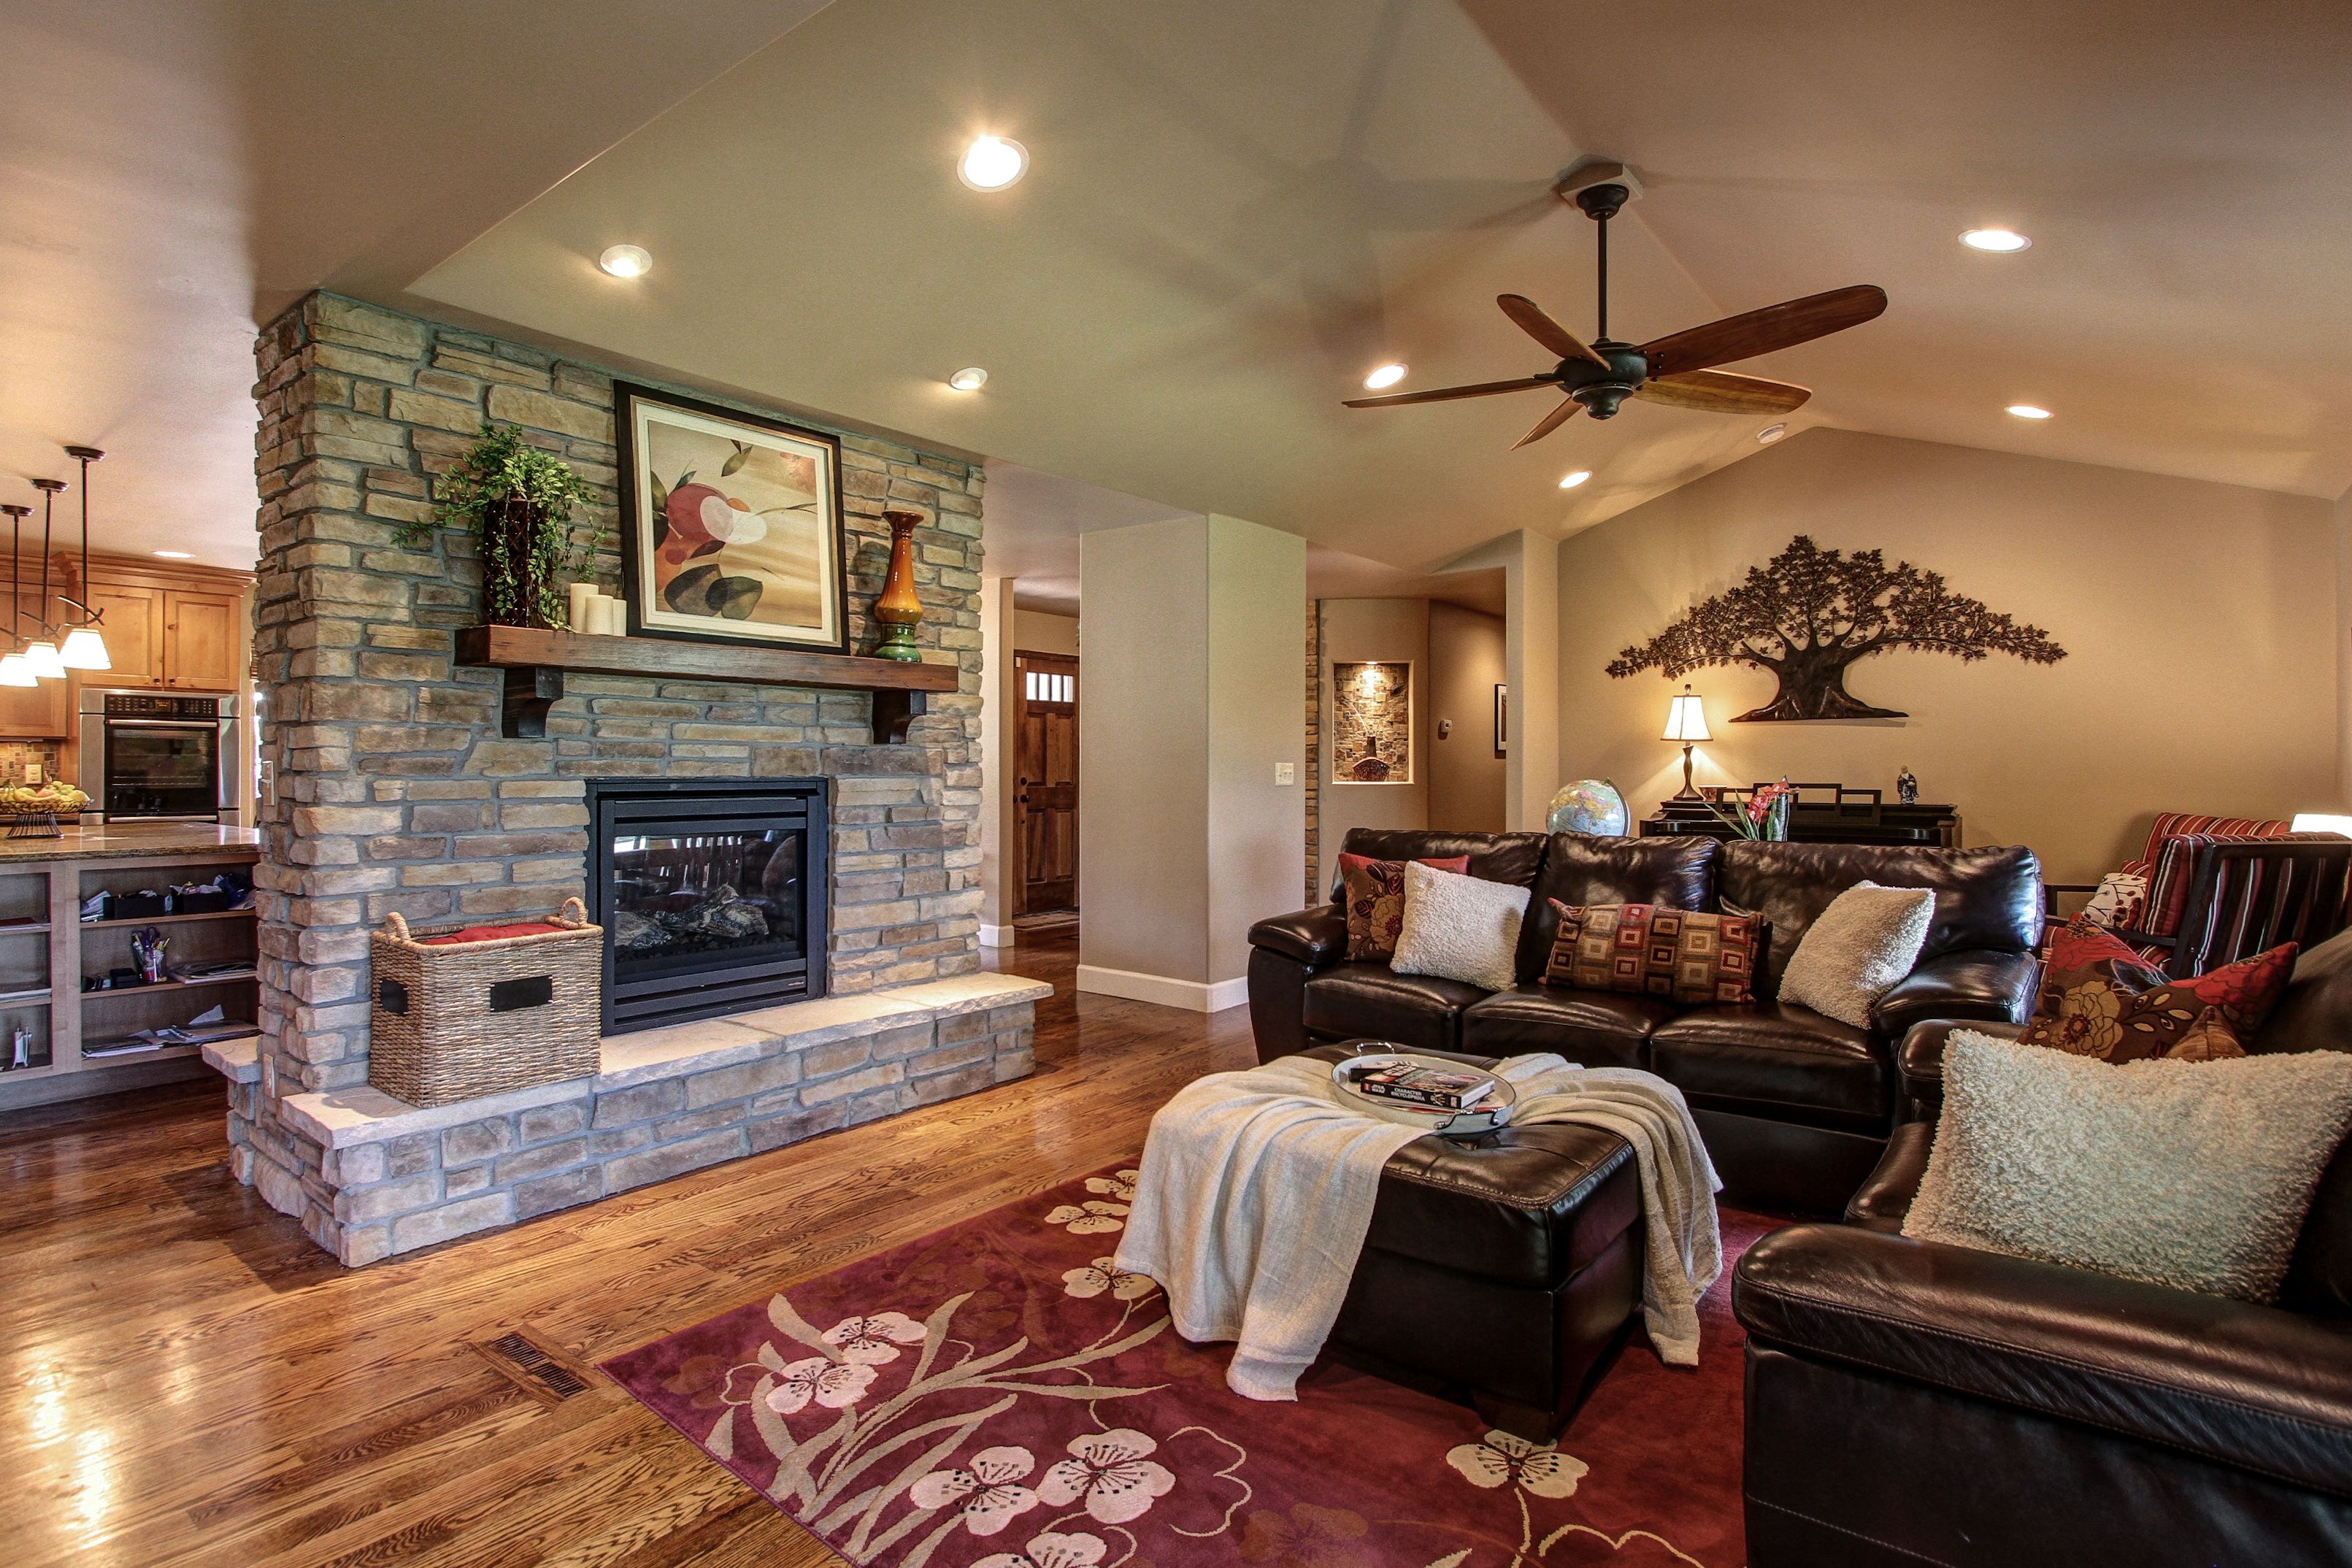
[1371,722]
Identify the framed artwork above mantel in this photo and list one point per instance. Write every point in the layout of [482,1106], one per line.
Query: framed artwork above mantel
[731,526]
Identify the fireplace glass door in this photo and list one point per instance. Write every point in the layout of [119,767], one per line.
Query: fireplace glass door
[711,897]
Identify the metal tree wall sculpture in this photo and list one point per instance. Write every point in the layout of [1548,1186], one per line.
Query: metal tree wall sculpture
[1808,612]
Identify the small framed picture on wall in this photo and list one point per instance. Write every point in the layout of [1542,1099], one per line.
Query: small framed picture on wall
[1502,720]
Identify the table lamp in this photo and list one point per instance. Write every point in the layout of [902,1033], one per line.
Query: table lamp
[1686,723]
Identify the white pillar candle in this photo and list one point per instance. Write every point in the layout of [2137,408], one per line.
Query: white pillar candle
[615,622]
[576,600]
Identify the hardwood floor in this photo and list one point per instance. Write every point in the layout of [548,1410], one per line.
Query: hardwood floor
[190,1381]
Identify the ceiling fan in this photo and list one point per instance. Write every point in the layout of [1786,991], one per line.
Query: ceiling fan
[1675,371]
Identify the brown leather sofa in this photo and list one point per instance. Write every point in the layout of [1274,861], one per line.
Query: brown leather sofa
[1795,1107]
[1910,1403]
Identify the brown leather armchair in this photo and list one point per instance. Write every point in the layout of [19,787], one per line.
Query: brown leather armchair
[1795,1107]
[1911,1402]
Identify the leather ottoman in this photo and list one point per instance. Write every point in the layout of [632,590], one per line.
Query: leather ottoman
[1505,1270]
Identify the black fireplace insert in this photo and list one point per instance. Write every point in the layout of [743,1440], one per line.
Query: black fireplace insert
[712,895]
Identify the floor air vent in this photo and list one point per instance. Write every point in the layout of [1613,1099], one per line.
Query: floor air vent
[533,1367]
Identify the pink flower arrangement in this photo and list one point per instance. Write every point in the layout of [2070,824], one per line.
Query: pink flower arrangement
[1765,815]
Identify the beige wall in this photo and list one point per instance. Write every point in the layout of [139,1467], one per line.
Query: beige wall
[998,899]
[1396,630]
[1466,664]
[1257,826]
[2200,622]
[1186,838]
[1035,631]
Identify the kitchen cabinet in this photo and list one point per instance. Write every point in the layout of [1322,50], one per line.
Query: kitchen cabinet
[199,641]
[178,639]
[43,712]
[133,629]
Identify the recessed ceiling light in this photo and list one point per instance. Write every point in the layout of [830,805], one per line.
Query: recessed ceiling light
[992,163]
[177,554]
[1576,479]
[2028,411]
[1769,434]
[971,378]
[1387,375]
[1998,239]
[627,261]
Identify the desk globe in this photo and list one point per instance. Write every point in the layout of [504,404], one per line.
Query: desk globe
[1592,807]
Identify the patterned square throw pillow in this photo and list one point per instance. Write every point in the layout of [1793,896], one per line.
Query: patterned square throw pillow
[2094,1003]
[1375,894]
[1647,950]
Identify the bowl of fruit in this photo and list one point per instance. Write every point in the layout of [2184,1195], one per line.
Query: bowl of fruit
[32,811]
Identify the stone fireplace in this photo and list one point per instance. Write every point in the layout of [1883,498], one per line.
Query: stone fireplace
[712,894]
[859,996]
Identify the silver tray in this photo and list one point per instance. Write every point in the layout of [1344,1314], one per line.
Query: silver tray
[1489,1113]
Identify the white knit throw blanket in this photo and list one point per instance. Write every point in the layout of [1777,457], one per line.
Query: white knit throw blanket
[1256,1189]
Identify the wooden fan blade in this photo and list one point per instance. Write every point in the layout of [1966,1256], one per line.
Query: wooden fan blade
[1446,393]
[1762,332]
[1550,421]
[1532,321]
[1720,392]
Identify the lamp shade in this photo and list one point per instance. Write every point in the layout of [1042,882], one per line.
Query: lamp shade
[1686,720]
[15,672]
[45,661]
[2322,822]
[84,649]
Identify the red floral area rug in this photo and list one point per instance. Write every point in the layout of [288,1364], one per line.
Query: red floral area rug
[997,1396]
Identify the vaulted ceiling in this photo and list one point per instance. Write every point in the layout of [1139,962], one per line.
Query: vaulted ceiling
[1234,210]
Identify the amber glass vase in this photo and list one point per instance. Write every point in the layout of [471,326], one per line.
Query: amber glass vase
[898,610]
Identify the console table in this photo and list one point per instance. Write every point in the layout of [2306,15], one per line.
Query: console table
[1847,816]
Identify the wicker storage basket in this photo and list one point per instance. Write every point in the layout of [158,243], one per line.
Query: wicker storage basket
[452,1022]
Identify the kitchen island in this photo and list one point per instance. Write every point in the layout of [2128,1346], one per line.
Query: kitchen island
[78,1041]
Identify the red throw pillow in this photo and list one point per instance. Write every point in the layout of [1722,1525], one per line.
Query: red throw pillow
[1375,899]
[2086,951]
[2100,999]
[1646,951]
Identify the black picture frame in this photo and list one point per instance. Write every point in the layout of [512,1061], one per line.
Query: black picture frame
[1502,720]
[639,539]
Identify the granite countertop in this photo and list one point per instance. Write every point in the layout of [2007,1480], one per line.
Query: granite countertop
[113,841]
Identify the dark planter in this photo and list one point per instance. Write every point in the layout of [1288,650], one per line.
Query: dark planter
[510,593]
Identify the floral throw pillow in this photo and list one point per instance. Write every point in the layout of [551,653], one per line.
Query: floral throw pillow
[2084,952]
[1375,895]
[2096,1004]
[1647,950]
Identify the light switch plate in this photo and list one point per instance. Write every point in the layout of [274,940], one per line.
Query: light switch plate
[1286,772]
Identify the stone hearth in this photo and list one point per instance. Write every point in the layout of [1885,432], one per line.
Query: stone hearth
[666,1102]
[395,790]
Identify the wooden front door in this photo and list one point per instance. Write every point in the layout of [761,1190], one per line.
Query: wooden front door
[1045,773]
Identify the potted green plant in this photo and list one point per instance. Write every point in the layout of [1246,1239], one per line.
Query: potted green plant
[517,500]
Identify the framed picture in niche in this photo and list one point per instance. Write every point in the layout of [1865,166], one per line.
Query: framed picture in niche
[1371,722]
[730,525]
[1502,720]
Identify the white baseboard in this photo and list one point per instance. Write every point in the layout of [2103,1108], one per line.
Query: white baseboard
[996,936]
[1192,996]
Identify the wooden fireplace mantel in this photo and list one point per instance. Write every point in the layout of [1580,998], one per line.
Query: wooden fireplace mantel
[535,662]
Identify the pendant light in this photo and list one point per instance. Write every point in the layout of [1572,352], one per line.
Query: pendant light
[43,656]
[14,670]
[85,648]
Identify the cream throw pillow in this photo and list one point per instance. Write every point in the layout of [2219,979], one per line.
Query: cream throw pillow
[1863,944]
[2195,1174]
[1459,928]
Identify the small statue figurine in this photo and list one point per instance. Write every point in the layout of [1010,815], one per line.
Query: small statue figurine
[1906,788]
